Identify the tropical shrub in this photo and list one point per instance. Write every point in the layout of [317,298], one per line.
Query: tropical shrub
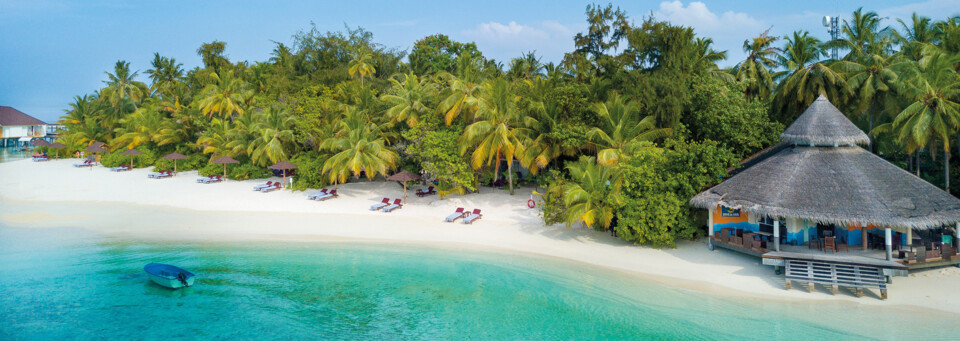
[309,167]
[114,159]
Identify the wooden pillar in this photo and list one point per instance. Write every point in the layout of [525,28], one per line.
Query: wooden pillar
[888,241]
[710,228]
[776,235]
[863,236]
[909,236]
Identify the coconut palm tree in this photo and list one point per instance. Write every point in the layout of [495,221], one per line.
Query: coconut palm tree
[409,98]
[706,59]
[593,194]
[226,97]
[358,147]
[805,77]
[914,36]
[620,124]
[216,138]
[165,72]
[496,134]
[755,69]
[948,34]
[862,36]
[462,98]
[933,87]
[139,127]
[121,85]
[273,133]
[871,79]
[360,64]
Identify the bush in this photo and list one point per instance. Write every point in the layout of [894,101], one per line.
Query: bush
[309,165]
[247,171]
[212,169]
[114,159]
[192,162]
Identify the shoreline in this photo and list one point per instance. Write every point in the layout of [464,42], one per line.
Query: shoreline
[55,194]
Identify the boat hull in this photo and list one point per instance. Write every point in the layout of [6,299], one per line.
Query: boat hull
[171,283]
[169,276]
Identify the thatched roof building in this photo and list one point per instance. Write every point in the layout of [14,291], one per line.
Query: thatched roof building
[834,181]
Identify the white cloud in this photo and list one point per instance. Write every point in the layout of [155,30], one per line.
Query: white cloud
[504,41]
[705,22]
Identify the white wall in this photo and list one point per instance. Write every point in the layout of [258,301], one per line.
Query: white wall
[21,131]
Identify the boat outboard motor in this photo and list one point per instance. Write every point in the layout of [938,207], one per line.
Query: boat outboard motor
[183,278]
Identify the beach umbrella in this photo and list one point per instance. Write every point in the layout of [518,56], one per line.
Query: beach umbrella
[131,152]
[40,143]
[403,177]
[284,166]
[58,146]
[224,160]
[96,147]
[175,156]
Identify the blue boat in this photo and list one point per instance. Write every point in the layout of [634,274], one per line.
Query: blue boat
[169,276]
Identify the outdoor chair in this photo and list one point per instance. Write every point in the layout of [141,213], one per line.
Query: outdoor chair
[164,174]
[396,204]
[276,186]
[428,191]
[932,255]
[842,246]
[321,193]
[259,187]
[473,216]
[921,253]
[383,203]
[331,194]
[829,243]
[947,251]
[455,215]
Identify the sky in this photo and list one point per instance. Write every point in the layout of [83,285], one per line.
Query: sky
[52,50]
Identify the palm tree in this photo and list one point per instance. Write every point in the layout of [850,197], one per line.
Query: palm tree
[948,34]
[463,97]
[495,134]
[139,127]
[755,70]
[273,133]
[619,126]
[805,77]
[862,37]
[216,138]
[359,147]
[915,36]
[593,194]
[122,87]
[226,97]
[933,87]
[165,71]
[871,79]
[360,64]
[409,98]
[707,59]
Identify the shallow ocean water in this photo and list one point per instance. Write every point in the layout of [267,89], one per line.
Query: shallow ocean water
[73,284]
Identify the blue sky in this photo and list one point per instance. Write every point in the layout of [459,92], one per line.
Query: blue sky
[51,50]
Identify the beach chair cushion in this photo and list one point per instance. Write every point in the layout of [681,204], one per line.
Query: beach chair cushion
[383,203]
[455,215]
[473,216]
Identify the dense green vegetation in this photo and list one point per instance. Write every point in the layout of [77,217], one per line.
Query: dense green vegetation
[618,135]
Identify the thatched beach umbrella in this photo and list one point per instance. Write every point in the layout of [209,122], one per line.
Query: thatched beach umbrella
[175,156]
[403,177]
[284,166]
[96,147]
[58,146]
[224,160]
[131,152]
[39,143]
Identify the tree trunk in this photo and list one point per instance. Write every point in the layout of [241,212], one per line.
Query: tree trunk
[946,165]
[510,174]
[496,170]
[869,133]
[361,79]
[917,165]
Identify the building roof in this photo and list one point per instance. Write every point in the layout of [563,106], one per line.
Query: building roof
[822,124]
[13,117]
[827,184]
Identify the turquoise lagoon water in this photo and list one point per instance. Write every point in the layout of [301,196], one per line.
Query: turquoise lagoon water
[9,154]
[71,284]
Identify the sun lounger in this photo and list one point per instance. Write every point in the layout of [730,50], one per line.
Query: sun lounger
[332,194]
[205,179]
[396,205]
[259,187]
[276,186]
[381,204]
[428,191]
[40,158]
[473,216]
[85,163]
[164,174]
[456,215]
[321,193]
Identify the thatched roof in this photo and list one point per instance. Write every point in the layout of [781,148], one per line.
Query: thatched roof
[224,160]
[131,152]
[175,156]
[834,185]
[403,176]
[822,124]
[283,165]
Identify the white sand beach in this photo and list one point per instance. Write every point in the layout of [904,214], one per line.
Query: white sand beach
[56,194]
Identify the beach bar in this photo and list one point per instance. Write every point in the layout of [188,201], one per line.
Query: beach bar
[830,212]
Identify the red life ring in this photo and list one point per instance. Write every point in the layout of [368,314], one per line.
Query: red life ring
[531,203]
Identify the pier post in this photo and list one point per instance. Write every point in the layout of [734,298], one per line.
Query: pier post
[888,239]
[776,235]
